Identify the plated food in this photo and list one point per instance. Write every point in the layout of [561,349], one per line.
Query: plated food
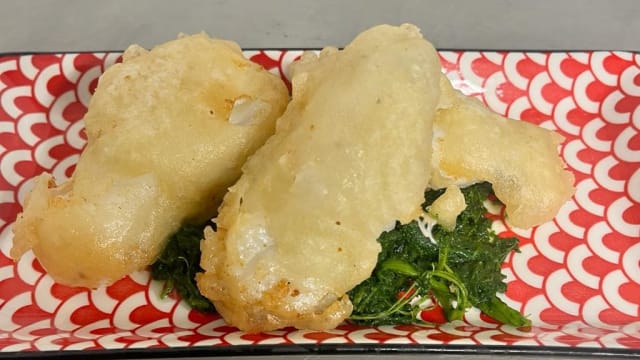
[520,160]
[293,233]
[168,130]
[351,156]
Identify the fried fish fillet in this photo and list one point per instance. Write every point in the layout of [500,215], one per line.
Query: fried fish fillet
[168,130]
[350,156]
[520,160]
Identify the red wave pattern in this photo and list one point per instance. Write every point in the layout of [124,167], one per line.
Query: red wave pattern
[577,277]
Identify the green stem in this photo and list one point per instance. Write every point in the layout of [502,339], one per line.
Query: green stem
[400,267]
[396,307]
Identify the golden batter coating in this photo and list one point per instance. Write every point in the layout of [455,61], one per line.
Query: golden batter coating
[351,155]
[520,160]
[168,130]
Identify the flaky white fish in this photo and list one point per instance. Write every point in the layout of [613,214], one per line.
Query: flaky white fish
[351,155]
[520,160]
[168,130]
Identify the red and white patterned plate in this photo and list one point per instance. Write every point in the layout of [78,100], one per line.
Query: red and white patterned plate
[577,277]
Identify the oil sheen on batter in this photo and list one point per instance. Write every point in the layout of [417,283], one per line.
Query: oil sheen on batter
[351,155]
[168,130]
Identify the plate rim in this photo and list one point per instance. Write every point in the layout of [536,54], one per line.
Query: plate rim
[524,351]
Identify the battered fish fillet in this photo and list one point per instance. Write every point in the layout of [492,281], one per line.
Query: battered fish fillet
[168,130]
[520,160]
[351,155]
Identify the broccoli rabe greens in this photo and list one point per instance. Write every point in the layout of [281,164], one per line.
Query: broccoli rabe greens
[450,270]
[178,265]
[447,270]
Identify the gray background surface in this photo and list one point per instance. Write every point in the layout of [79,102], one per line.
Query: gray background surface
[76,25]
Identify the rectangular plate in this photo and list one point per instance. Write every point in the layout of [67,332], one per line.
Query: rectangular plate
[577,277]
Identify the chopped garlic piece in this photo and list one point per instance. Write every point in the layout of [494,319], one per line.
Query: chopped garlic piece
[448,206]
